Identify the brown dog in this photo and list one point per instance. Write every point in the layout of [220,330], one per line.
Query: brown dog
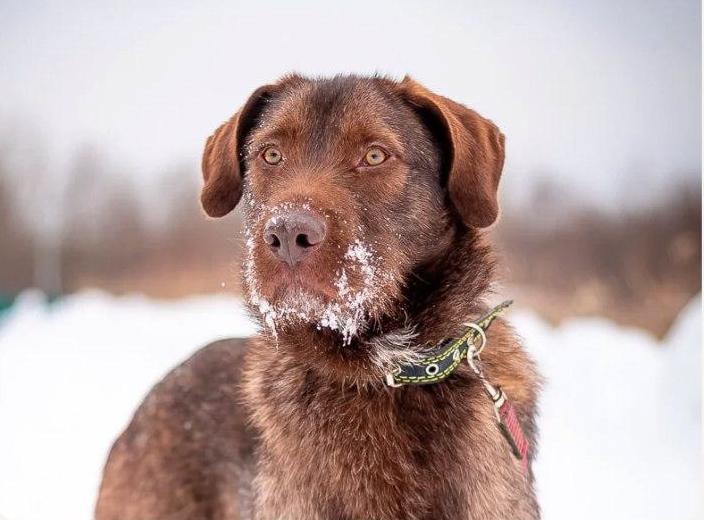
[364,200]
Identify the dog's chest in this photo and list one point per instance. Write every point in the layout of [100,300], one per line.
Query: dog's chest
[330,453]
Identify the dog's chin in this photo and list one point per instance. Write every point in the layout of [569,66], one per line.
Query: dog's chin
[292,305]
[297,289]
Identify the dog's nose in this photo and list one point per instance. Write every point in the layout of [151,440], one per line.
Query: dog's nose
[293,234]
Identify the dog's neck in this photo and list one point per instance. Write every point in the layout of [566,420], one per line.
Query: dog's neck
[439,297]
[449,290]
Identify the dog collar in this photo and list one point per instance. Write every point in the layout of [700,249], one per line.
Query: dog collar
[444,359]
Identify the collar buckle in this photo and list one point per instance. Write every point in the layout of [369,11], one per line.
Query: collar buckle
[390,381]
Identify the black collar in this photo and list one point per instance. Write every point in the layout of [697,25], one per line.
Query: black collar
[444,359]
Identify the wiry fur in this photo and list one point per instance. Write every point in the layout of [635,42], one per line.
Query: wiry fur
[394,348]
[325,438]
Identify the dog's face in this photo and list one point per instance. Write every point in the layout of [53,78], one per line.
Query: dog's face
[349,184]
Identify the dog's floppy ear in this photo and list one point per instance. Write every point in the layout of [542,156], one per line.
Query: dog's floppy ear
[474,149]
[222,163]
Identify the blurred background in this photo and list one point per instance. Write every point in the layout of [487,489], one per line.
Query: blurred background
[105,107]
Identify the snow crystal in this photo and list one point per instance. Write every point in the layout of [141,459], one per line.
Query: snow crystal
[342,284]
[251,282]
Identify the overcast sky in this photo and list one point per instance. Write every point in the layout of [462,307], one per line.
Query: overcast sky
[600,95]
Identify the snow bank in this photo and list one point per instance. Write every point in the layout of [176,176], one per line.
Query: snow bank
[70,378]
[620,421]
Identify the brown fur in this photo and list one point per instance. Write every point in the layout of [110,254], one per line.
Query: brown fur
[328,439]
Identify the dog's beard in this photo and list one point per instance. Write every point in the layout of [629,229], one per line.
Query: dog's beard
[349,313]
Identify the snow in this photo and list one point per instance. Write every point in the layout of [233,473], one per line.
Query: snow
[621,419]
[620,412]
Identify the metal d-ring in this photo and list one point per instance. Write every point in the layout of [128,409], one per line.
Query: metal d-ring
[474,350]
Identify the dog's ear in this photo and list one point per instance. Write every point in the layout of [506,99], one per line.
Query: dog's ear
[223,161]
[474,153]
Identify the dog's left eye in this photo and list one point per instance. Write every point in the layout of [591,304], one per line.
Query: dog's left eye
[375,156]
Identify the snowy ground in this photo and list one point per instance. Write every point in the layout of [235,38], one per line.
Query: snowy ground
[620,425]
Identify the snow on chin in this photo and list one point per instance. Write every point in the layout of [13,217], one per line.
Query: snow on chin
[305,307]
[348,313]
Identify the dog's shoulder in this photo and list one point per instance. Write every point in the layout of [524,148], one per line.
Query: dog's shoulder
[187,437]
[196,391]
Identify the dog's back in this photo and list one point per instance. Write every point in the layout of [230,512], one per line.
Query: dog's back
[187,454]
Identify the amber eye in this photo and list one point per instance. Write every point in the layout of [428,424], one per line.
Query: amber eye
[375,156]
[272,155]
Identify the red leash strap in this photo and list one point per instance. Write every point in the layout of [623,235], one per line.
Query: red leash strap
[509,424]
[511,428]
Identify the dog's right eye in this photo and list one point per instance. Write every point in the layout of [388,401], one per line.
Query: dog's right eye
[272,155]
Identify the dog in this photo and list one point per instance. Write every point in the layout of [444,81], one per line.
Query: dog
[365,204]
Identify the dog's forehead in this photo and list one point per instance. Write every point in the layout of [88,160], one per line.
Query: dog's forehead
[329,110]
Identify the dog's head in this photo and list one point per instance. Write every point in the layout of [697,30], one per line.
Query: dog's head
[348,185]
